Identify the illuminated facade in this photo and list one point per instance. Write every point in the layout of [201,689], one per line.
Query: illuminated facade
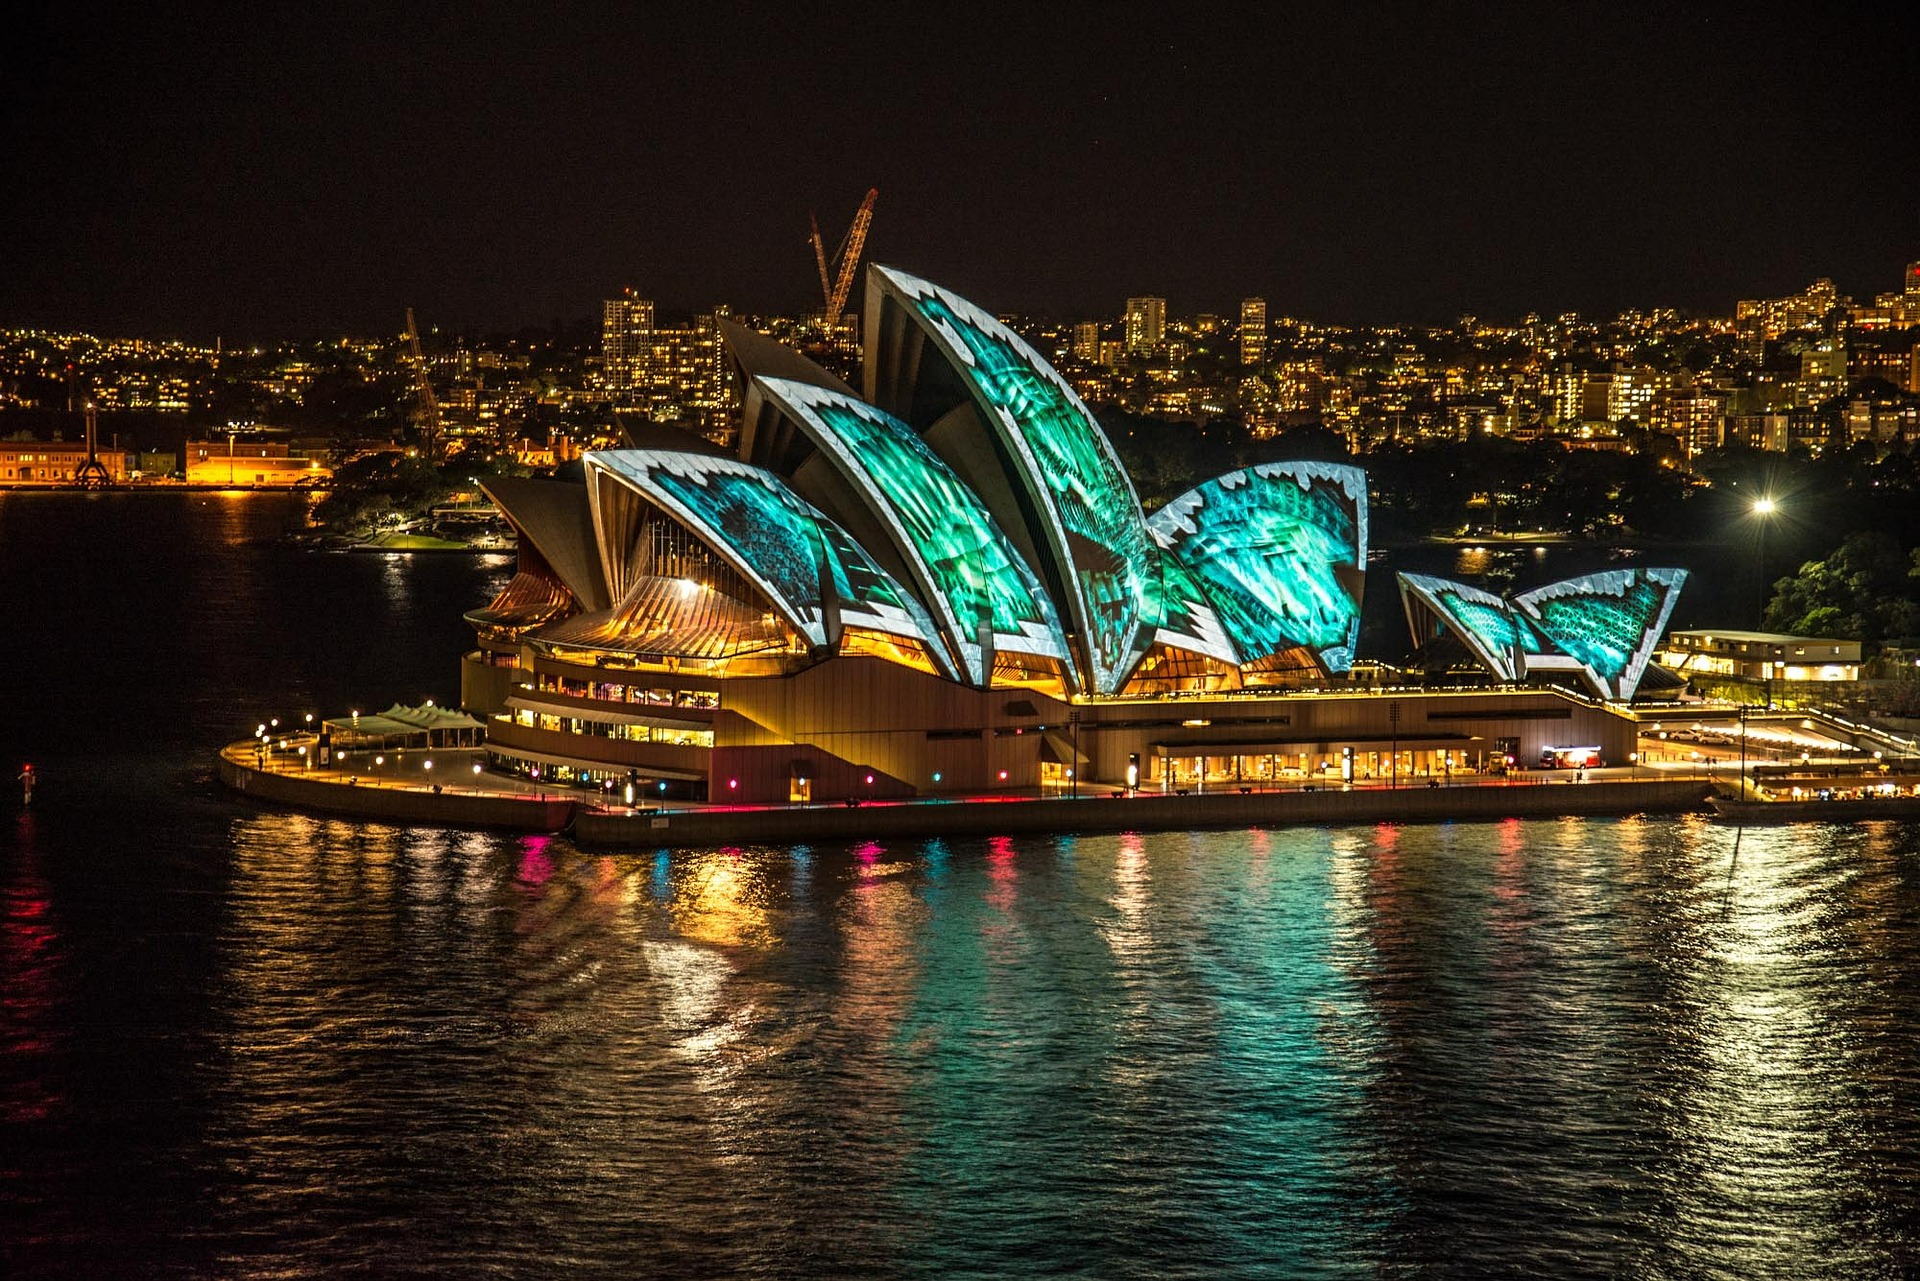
[626,334]
[1065,492]
[1599,628]
[1145,324]
[984,594]
[1253,331]
[1762,656]
[251,464]
[943,581]
[58,462]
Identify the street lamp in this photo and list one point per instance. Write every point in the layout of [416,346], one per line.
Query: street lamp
[1764,509]
[1743,752]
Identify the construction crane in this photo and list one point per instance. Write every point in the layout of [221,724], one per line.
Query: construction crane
[836,273]
[427,408]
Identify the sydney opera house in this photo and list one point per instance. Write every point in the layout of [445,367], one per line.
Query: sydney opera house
[942,582]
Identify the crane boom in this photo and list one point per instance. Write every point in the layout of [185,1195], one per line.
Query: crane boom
[820,259]
[849,257]
[836,272]
[429,407]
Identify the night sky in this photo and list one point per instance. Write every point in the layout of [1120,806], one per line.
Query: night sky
[261,172]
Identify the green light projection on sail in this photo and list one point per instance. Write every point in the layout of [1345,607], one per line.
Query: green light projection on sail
[779,541]
[1066,463]
[1280,549]
[969,571]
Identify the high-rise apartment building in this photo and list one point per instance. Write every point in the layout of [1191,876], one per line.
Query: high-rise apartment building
[1253,331]
[1146,324]
[667,371]
[1086,341]
[1693,417]
[626,337]
[1631,394]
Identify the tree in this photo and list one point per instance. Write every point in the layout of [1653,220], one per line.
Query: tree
[1864,591]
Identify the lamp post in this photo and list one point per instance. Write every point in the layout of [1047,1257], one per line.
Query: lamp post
[1393,760]
[1073,766]
[1743,751]
[1763,511]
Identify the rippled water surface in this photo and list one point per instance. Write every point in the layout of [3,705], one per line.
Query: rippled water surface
[244,1042]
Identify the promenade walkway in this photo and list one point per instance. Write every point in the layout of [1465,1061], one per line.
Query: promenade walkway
[442,787]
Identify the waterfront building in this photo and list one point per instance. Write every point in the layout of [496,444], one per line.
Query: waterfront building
[54,462]
[1762,656]
[669,372]
[1086,342]
[251,464]
[1767,431]
[943,582]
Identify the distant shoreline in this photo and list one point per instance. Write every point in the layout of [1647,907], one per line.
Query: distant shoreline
[159,487]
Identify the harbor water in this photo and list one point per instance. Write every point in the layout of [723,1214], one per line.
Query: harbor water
[237,1041]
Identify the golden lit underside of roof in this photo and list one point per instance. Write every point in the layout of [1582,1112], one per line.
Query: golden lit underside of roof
[896,649]
[1169,669]
[1286,669]
[529,599]
[674,618]
[1043,675]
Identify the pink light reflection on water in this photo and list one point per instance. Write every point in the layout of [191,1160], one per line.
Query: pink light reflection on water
[1002,872]
[1509,882]
[536,865]
[30,1013]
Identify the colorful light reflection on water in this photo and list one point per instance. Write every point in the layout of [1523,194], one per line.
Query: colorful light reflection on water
[241,1042]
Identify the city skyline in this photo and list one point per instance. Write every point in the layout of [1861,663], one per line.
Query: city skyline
[586,325]
[321,171]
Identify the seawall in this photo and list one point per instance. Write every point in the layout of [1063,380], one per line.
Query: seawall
[398,804]
[1141,812]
